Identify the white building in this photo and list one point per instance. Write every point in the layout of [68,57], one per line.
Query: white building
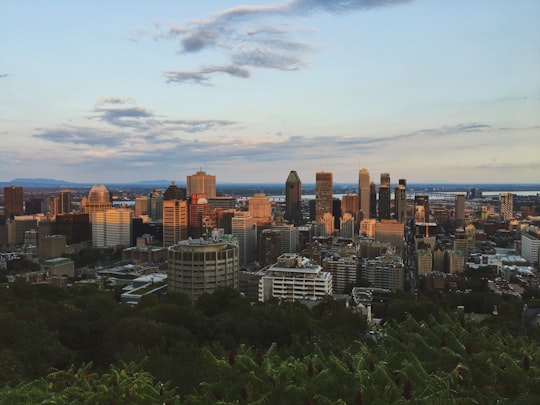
[294,278]
[530,246]
[112,227]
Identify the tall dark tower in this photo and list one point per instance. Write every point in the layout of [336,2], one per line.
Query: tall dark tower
[64,207]
[174,192]
[400,195]
[13,201]
[323,194]
[384,196]
[293,198]
[372,200]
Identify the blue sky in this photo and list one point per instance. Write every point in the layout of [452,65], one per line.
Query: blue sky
[106,91]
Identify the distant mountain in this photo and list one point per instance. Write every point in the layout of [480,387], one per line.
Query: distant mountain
[38,182]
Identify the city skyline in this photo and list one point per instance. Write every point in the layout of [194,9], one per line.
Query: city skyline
[133,91]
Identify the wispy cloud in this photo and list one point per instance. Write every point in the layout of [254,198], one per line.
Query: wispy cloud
[124,113]
[115,100]
[243,34]
[202,76]
[85,136]
[2,75]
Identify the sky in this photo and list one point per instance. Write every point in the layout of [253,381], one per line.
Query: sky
[123,91]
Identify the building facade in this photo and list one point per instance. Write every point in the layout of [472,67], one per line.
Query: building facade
[200,266]
[112,228]
[400,201]
[364,199]
[201,183]
[175,221]
[323,194]
[244,229]
[294,278]
[13,201]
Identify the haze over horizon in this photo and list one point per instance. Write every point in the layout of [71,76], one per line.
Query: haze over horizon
[434,92]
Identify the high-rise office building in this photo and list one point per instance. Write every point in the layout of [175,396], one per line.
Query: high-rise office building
[200,266]
[270,246]
[175,221]
[372,200]
[13,201]
[384,197]
[293,198]
[142,204]
[112,227]
[460,207]
[364,194]
[199,216]
[76,227]
[506,208]
[393,232]
[349,203]
[156,205]
[289,237]
[33,206]
[64,206]
[346,226]
[421,208]
[244,228]
[323,194]
[260,208]
[400,198]
[201,183]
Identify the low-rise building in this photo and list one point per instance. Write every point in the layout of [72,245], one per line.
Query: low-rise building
[295,278]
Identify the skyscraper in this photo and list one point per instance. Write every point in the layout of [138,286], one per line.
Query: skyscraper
[506,210]
[349,203]
[156,205]
[323,194]
[400,196]
[364,193]
[65,202]
[175,221]
[142,204]
[201,183]
[260,208]
[293,198]
[384,196]
[421,208]
[112,227]
[244,228]
[13,201]
[199,215]
[372,200]
[460,207]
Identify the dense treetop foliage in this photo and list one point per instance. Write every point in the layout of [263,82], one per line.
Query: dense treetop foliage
[81,346]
